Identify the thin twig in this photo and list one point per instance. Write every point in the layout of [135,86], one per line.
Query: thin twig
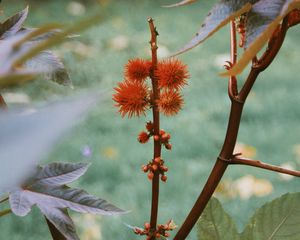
[5,212]
[232,84]
[56,235]
[2,103]
[156,124]
[256,163]
[4,199]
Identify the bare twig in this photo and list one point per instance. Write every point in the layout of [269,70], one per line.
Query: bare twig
[5,212]
[256,163]
[232,84]
[3,199]
[2,103]
[56,235]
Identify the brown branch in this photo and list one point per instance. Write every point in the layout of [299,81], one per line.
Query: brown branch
[2,103]
[232,84]
[294,18]
[5,212]
[274,45]
[56,235]
[3,199]
[231,134]
[156,123]
[256,163]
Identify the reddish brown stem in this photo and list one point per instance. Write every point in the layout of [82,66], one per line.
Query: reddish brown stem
[231,135]
[259,164]
[56,235]
[232,84]
[2,103]
[155,111]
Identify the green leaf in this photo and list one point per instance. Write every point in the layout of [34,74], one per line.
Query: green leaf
[216,224]
[222,13]
[262,39]
[13,24]
[279,219]
[181,3]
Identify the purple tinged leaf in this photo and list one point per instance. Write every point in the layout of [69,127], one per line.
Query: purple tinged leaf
[58,174]
[222,13]
[19,203]
[49,64]
[13,24]
[60,197]
[61,220]
[179,4]
[26,138]
[260,16]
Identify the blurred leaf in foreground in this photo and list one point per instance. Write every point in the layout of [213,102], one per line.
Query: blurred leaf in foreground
[28,136]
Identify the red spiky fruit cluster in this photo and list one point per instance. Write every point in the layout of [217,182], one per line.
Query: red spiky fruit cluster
[132,96]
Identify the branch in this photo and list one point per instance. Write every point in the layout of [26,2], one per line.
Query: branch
[294,18]
[232,83]
[2,103]
[256,163]
[5,212]
[156,124]
[274,45]
[3,199]
[232,131]
[56,235]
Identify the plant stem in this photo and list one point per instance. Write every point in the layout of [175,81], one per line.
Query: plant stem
[56,235]
[3,199]
[256,163]
[2,103]
[5,212]
[156,123]
[226,153]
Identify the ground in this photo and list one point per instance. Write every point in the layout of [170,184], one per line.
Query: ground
[269,129]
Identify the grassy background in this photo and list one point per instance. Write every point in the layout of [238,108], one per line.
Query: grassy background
[95,60]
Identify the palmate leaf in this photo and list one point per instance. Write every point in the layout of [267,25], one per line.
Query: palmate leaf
[181,3]
[47,190]
[216,224]
[13,24]
[279,219]
[57,174]
[222,13]
[259,42]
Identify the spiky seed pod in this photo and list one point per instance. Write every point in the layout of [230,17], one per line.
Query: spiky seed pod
[137,69]
[143,137]
[172,74]
[131,98]
[149,126]
[170,102]
[164,178]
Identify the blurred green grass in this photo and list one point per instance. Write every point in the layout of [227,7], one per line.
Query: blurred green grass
[95,60]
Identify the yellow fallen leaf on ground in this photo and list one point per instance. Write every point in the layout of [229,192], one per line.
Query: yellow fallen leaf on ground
[247,151]
[110,152]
